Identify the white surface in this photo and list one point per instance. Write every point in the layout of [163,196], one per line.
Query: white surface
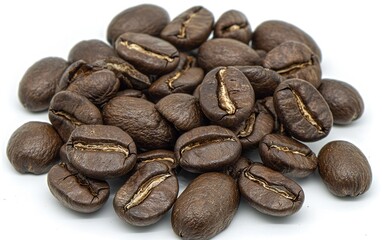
[349,35]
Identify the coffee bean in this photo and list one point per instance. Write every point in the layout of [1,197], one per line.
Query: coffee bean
[233,24]
[344,169]
[158,155]
[269,191]
[90,51]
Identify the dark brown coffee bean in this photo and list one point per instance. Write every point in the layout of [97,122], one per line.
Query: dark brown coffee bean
[75,191]
[68,110]
[143,18]
[158,155]
[302,110]
[269,191]
[101,151]
[190,29]
[237,168]
[344,100]
[233,24]
[150,55]
[147,195]
[39,83]
[141,120]
[207,148]
[226,52]
[344,169]
[34,147]
[90,51]
[286,155]
[226,96]
[272,33]
[206,207]
[294,60]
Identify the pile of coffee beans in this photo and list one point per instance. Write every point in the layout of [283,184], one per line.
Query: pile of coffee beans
[165,97]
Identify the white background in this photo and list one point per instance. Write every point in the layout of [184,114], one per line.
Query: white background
[349,34]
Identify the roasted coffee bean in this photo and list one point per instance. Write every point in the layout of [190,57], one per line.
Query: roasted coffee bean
[68,110]
[182,110]
[158,155]
[90,51]
[206,207]
[344,100]
[233,24]
[226,96]
[76,191]
[141,120]
[344,169]
[34,147]
[269,191]
[226,52]
[190,29]
[286,155]
[147,195]
[207,148]
[101,151]
[150,55]
[302,110]
[272,33]
[39,83]
[294,60]
[237,168]
[143,18]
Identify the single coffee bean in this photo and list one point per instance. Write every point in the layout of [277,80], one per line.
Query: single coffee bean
[286,155]
[226,52]
[294,60]
[269,191]
[207,148]
[90,51]
[143,18]
[272,33]
[302,110]
[344,169]
[237,168]
[147,195]
[344,100]
[158,155]
[139,118]
[39,83]
[76,191]
[69,110]
[101,151]
[150,55]
[233,24]
[226,96]
[190,29]
[206,207]
[34,147]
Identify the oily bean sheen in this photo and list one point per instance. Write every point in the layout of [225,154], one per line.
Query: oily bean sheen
[143,18]
[302,110]
[344,169]
[190,29]
[147,195]
[157,155]
[269,191]
[76,191]
[101,151]
[150,55]
[226,96]
[287,156]
[90,51]
[39,83]
[206,207]
[68,110]
[34,147]
[233,24]
[344,100]
[207,148]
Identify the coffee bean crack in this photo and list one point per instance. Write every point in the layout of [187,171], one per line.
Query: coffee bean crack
[102,147]
[249,126]
[294,67]
[67,116]
[136,47]
[286,149]
[206,142]
[183,29]
[224,99]
[234,27]
[178,74]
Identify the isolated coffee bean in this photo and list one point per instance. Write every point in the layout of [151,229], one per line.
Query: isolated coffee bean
[158,155]
[90,51]
[344,169]
[76,191]
[206,207]
[233,24]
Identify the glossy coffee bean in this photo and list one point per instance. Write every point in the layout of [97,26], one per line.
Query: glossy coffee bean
[233,24]
[76,191]
[90,51]
[34,147]
[302,110]
[269,191]
[147,195]
[344,169]
[206,207]
[158,155]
